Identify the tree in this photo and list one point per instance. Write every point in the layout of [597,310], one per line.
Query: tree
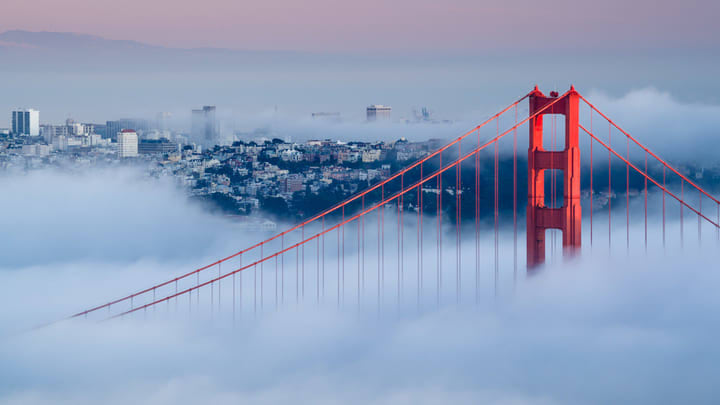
[276,206]
[219,202]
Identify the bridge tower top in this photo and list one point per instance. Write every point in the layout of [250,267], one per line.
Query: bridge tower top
[540,216]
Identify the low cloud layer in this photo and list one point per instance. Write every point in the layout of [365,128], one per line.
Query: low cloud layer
[620,331]
[675,130]
[626,329]
[113,215]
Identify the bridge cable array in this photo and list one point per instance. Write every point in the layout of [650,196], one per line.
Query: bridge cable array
[412,191]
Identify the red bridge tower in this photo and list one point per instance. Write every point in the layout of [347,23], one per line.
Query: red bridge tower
[540,217]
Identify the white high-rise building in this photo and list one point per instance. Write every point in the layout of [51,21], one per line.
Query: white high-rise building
[50,132]
[204,125]
[94,140]
[127,143]
[36,150]
[26,122]
[378,112]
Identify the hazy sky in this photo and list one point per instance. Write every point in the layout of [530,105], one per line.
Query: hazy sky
[331,25]
[460,58]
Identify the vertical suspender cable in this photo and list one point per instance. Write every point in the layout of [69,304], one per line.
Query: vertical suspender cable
[699,217]
[515,197]
[255,290]
[297,274]
[382,244]
[339,266]
[402,233]
[342,289]
[438,255]
[420,235]
[323,259]
[219,285]
[682,200]
[399,253]
[609,185]
[458,213]
[592,191]
[646,174]
[302,266]
[379,266]
[363,246]
[240,276]
[317,271]
[417,207]
[497,180]
[477,221]
[663,208]
[440,195]
[627,198]
[233,298]
[553,177]
[359,256]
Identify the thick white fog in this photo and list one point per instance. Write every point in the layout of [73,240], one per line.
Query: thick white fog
[668,126]
[624,329]
[675,130]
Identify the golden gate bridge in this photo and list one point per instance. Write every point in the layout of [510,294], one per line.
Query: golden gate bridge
[386,242]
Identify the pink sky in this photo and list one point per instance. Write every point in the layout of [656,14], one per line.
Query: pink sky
[334,25]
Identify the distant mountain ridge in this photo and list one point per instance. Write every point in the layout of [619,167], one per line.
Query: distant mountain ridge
[49,40]
[66,51]
[66,40]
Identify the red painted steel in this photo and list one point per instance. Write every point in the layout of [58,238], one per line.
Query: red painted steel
[609,186]
[440,235]
[438,218]
[323,254]
[515,197]
[401,207]
[663,208]
[682,225]
[458,202]
[567,160]
[645,195]
[477,222]
[592,190]
[362,207]
[302,266]
[627,199]
[420,237]
[262,277]
[496,222]
[700,223]
[419,248]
